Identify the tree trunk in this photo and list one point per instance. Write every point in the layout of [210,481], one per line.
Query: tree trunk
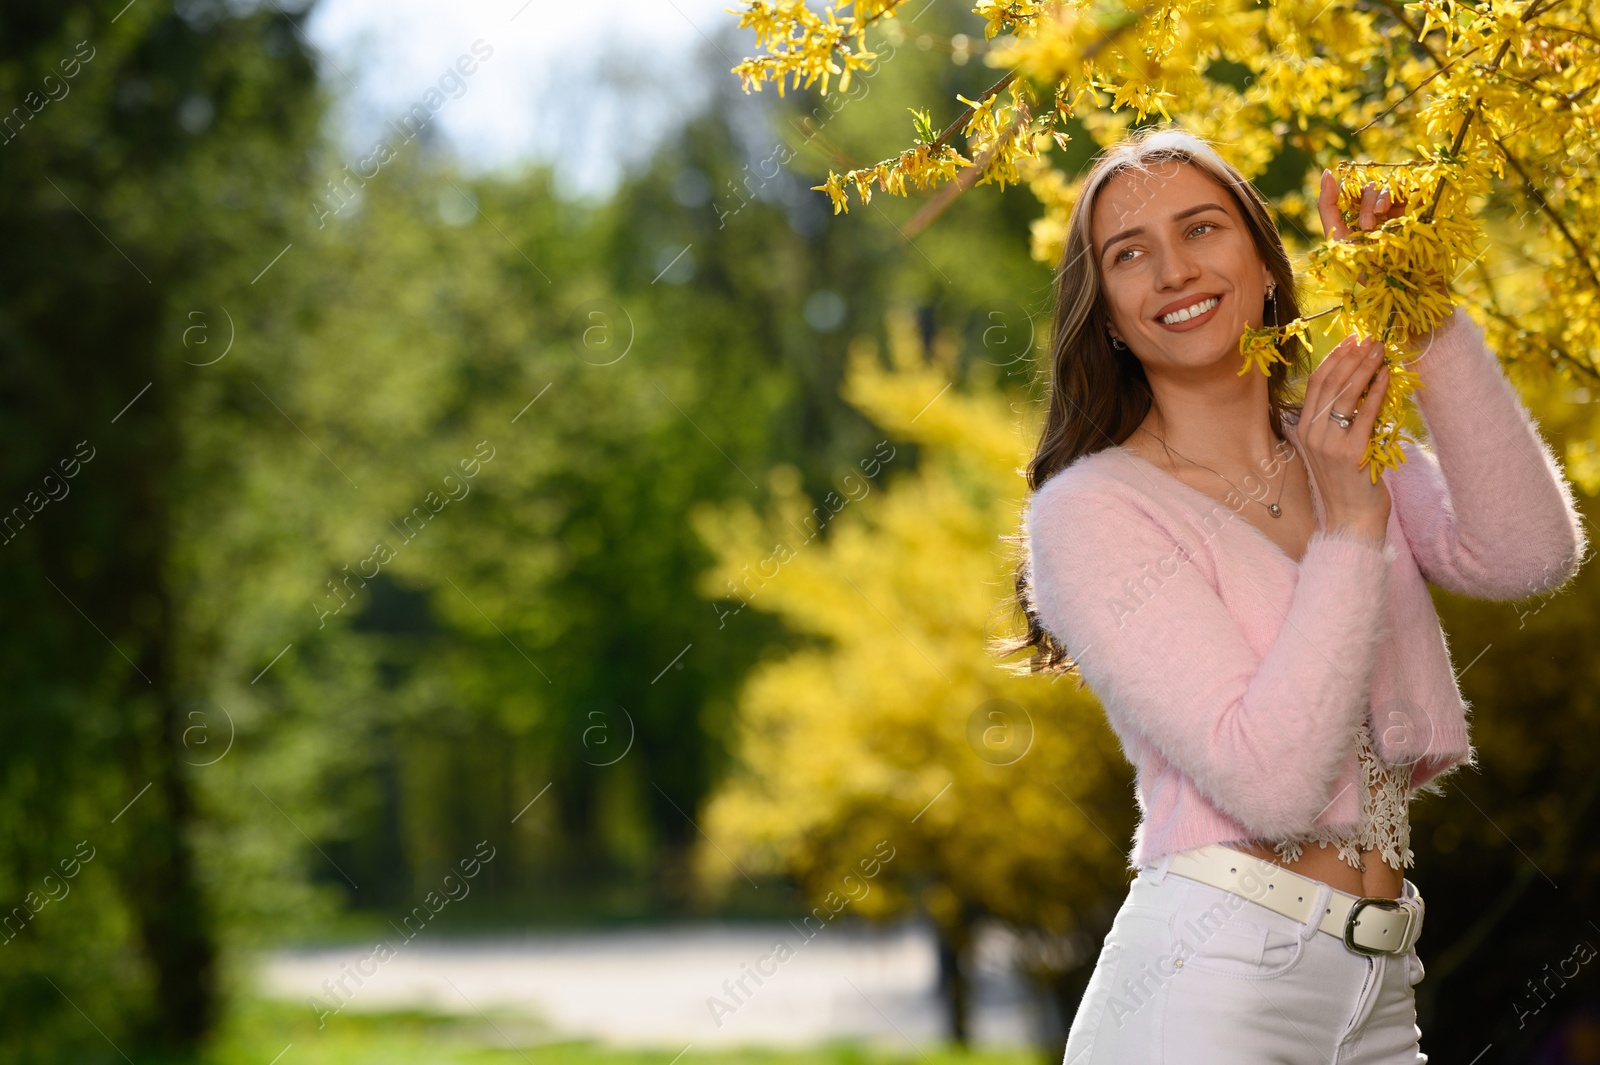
[164,893]
[955,953]
[160,881]
[1060,966]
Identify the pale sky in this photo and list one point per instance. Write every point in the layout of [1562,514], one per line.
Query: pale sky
[595,83]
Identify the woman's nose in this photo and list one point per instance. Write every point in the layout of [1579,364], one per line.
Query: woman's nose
[1178,267]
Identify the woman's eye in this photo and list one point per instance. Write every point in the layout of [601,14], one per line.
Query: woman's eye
[1121,256]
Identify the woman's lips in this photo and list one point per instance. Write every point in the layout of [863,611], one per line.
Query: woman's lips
[1196,322]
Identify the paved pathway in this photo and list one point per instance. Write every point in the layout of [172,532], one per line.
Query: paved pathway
[669,986]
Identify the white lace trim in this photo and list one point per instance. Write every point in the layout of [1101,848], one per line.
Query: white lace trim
[1384,824]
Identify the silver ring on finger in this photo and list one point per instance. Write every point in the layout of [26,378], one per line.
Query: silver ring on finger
[1343,421]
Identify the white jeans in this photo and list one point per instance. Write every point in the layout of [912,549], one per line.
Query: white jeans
[1194,974]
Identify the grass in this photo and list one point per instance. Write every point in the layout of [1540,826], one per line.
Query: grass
[258,1031]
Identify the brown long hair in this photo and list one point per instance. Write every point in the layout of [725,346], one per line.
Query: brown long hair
[1098,395]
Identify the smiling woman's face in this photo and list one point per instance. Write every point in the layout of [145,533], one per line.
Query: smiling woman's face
[1172,242]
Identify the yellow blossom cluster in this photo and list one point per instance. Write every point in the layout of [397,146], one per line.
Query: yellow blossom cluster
[1263,347]
[1004,134]
[1001,132]
[1395,277]
[1482,119]
[922,164]
[803,44]
[1017,16]
[889,720]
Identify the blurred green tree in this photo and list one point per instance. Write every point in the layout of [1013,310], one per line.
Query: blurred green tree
[149,163]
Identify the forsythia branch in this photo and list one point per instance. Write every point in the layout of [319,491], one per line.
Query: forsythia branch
[1311,76]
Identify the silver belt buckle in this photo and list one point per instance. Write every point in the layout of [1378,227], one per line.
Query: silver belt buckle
[1392,905]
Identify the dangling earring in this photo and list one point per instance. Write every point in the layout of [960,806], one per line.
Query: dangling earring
[1117,343]
[1272,292]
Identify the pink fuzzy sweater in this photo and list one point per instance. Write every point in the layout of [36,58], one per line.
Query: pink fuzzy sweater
[1234,676]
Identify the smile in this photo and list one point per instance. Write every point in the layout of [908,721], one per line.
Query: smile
[1195,313]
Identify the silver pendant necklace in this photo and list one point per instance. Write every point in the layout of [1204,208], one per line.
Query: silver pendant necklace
[1272,508]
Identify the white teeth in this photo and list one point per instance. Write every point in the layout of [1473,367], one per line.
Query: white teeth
[1189,312]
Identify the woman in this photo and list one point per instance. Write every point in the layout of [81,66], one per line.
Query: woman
[1211,557]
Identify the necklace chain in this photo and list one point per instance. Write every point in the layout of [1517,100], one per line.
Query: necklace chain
[1272,508]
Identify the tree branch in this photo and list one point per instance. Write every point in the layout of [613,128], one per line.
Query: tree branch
[964,180]
[1388,110]
[1561,354]
[1554,215]
[961,119]
[1529,13]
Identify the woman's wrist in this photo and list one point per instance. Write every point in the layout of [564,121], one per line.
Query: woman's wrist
[1373,530]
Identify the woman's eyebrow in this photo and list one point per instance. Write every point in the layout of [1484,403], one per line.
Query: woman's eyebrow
[1136,230]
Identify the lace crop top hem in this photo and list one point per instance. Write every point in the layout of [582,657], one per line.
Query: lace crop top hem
[1384,824]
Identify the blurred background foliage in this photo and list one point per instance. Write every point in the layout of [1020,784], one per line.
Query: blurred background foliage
[266,730]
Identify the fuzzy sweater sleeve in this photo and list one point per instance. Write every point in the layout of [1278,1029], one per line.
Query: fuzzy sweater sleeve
[1261,736]
[1485,508]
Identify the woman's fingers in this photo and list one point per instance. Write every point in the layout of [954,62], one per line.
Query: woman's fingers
[1369,203]
[1360,395]
[1345,373]
[1326,379]
[1388,207]
[1372,403]
[1377,206]
[1333,227]
[1351,497]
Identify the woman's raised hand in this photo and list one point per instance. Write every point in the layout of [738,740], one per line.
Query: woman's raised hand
[1352,380]
[1376,208]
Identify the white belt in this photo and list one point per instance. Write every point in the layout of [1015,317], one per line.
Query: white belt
[1369,925]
